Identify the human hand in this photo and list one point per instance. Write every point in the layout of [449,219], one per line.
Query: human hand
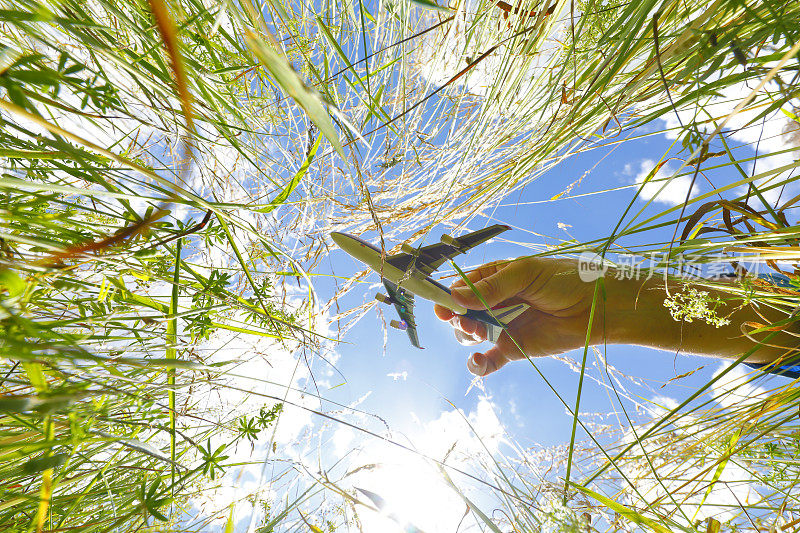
[556,322]
[628,311]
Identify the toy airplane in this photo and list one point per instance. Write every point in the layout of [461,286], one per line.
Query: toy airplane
[407,274]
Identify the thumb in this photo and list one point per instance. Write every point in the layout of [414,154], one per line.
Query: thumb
[493,289]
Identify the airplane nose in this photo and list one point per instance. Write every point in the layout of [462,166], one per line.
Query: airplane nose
[338,238]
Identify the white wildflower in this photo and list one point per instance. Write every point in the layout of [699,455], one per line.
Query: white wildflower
[691,304]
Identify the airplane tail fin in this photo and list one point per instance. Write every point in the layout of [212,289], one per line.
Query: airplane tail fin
[504,315]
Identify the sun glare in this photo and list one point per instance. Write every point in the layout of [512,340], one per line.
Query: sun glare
[409,491]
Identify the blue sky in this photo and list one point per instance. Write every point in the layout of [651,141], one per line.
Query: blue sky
[414,397]
[436,380]
[409,388]
[440,370]
[422,400]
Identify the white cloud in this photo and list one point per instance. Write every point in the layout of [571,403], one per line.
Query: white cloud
[414,490]
[446,52]
[690,481]
[627,170]
[658,189]
[402,376]
[774,136]
[663,404]
[734,390]
[262,373]
[682,480]
[342,440]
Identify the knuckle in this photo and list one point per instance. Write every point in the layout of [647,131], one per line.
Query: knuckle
[457,284]
[489,288]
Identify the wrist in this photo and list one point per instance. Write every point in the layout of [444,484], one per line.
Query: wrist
[632,312]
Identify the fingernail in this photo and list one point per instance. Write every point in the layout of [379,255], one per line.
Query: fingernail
[477,364]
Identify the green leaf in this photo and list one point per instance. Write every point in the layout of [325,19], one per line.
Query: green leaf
[620,509]
[229,524]
[290,82]
[12,283]
[720,468]
[39,464]
[8,56]
[790,114]
[430,4]
[36,376]
[19,404]
[294,182]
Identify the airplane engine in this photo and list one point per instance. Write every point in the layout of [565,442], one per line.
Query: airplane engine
[401,325]
[383,299]
[452,241]
[407,248]
[417,274]
[447,239]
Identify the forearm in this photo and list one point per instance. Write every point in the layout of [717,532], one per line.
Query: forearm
[635,314]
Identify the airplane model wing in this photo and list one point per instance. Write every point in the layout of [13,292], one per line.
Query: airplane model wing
[429,258]
[404,303]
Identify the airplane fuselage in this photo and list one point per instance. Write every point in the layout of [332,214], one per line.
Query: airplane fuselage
[413,281]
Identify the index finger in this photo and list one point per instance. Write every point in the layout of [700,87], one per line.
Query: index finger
[483,271]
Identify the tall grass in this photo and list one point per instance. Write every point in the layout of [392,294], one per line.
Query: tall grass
[124,129]
[166,166]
